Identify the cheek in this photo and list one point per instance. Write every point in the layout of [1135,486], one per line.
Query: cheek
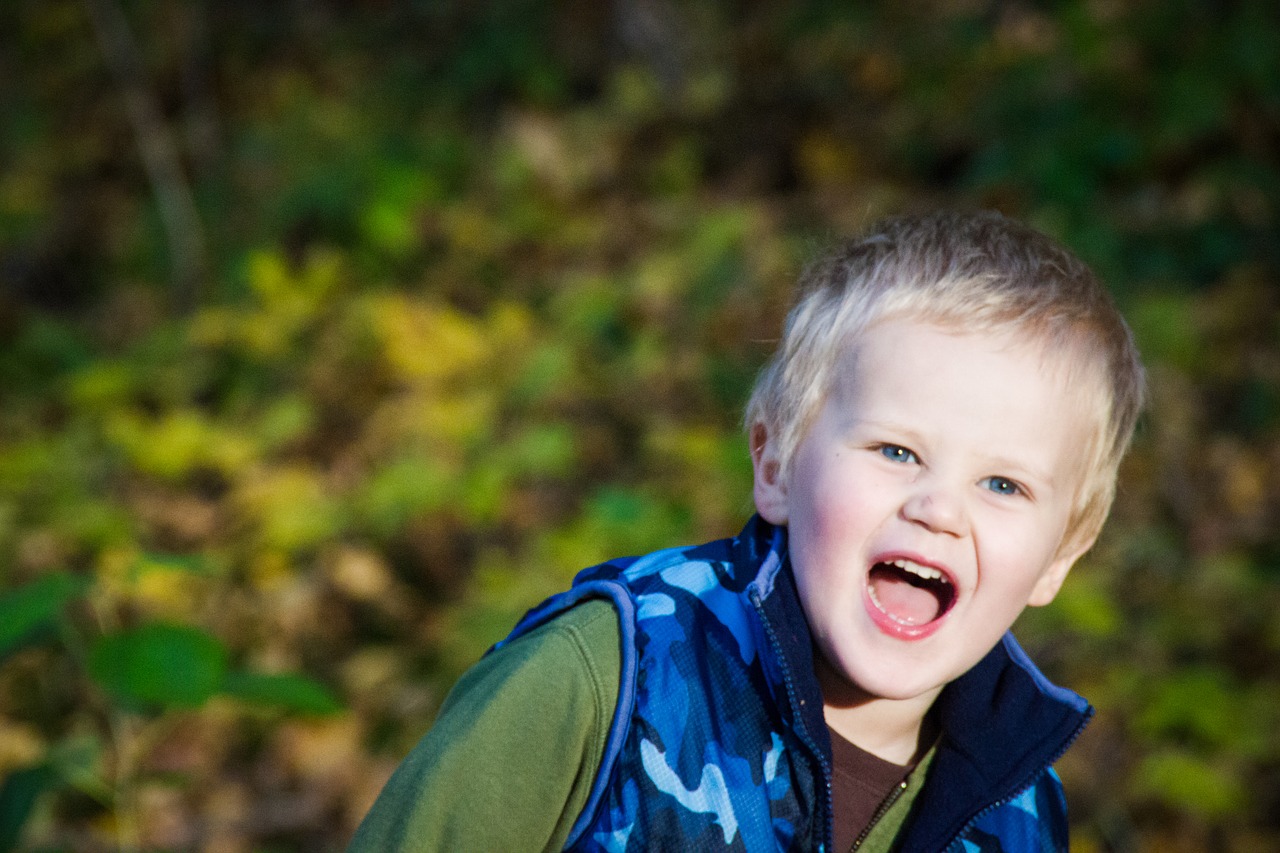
[851,498]
[1021,562]
[830,532]
[828,507]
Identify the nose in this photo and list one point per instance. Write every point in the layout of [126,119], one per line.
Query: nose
[937,509]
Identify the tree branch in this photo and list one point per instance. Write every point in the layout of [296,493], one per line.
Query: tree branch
[159,152]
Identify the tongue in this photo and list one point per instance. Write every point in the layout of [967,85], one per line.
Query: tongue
[906,603]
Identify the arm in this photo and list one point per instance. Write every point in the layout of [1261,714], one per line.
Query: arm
[509,763]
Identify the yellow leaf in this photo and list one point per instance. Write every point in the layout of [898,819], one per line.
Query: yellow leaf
[429,343]
[20,746]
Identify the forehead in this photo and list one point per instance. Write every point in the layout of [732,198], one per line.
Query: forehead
[991,387]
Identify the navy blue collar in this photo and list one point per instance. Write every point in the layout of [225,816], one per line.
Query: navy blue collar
[1003,723]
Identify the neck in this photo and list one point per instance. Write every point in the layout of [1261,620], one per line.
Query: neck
[896,730]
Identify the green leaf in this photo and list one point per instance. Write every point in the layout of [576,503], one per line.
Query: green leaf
[78,762]
[1199,705]
[1164,325]
[287,691]
[18,796]
[33,607]
[1191,785]
[159,664]
[395,493]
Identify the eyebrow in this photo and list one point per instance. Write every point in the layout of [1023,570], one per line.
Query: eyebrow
[898,430]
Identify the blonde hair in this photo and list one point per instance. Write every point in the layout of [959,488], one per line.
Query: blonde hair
[974,272]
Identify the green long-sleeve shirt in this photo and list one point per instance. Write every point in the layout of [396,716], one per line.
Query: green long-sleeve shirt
[510,761]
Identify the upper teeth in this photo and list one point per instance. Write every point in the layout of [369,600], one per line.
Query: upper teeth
[926,572]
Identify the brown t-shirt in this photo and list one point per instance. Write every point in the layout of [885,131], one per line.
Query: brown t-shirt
[860,782]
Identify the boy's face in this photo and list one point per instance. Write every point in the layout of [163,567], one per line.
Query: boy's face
[927,503]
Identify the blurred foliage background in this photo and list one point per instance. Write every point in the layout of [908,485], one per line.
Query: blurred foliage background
[335,334]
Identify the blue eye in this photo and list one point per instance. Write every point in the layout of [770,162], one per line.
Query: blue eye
[895,453]
[1002,486]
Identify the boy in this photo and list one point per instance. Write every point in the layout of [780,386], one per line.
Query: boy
[934,444]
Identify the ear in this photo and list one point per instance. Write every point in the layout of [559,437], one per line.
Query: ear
[769,491]
[1051,579]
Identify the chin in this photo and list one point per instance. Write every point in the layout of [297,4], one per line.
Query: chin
[862,683]
[896,691]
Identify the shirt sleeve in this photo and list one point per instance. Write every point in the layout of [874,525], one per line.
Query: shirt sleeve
[511,758]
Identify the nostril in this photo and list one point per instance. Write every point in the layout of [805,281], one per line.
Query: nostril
[937,513]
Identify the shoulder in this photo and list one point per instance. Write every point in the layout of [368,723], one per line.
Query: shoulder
[579,647]
[582,642]
[511,758]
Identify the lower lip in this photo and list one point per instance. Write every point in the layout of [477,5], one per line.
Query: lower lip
[893,628]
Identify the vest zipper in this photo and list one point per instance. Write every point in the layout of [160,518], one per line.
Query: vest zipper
[881,811]
[827,841]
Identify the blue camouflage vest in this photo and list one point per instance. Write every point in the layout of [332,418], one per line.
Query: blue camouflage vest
[718,741]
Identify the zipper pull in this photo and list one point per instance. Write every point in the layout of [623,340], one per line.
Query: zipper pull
[884,806]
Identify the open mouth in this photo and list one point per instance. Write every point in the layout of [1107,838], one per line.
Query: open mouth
[909,594]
